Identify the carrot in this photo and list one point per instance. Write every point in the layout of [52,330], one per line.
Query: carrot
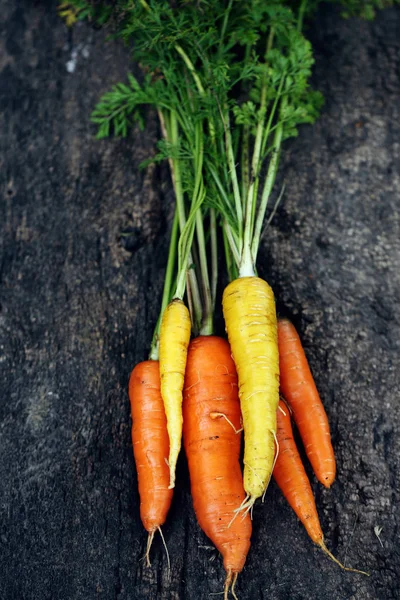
[298,387]
[174,341]
[211,433]
[290,475]
[250,318]
[150,446]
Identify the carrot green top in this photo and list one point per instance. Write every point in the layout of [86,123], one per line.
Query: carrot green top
[230,81]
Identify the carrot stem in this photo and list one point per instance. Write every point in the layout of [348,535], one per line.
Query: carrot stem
[154,348]
[230,237]
[234,179]
[207,320]
[214,257]
[191,68]
[169,128]
[228,256]
[245,161]
[269,182]
[247,262]
[302,10]
[224,26]
[185,256]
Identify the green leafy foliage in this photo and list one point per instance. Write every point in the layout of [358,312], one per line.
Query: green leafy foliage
[121,107]
[365,9]
[234,79]
[73,11]
[305,111]
[94,10]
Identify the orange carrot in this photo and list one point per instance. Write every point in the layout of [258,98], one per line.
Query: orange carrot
[211,433]
[298,387]
[290,475]
[292,479]
[150,446]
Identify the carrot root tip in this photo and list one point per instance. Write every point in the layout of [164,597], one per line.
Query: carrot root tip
[230,582]
[166,549]
[336,561]
[171,479]
[233,586]
[227,585]
[149,543]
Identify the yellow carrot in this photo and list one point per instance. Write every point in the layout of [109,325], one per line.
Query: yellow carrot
[251,324]
[174,340]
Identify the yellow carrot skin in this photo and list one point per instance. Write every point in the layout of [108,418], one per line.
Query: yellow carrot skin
[251,323]
[174,340]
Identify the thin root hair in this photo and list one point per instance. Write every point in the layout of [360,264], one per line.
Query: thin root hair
[246,505]
[166,550]
[227,585]
[237,510]
[282,411]
[150,539]
[233,586]
[335,560]
[215,415]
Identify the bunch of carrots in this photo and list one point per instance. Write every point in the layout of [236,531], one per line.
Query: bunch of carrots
[230,83]
[195,383]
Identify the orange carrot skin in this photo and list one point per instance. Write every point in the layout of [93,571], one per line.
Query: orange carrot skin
[150,444]
[292,479]
[299,389]
[212,448]
[290,475]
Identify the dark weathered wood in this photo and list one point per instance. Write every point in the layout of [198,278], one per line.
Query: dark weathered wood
[79,301]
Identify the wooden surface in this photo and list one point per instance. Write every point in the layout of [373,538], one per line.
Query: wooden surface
[78,302]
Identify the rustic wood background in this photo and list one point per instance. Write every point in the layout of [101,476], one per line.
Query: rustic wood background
[83,241]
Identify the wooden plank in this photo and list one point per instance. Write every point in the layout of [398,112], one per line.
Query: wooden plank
[79,302]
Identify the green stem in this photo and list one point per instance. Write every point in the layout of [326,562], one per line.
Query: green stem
[214,257]
[220,186]
[224,26]
[164,124]
[191,68]
[269,182]
[234,179]
[247,265]
[154,348]
[180,206]
[302,10]
[246,268]
[230,264]
[255,196]
[245,162]
[184,250]
[183,262]
[207,321]
[198,161]
[267,131]
[270,40]
[190,305]
[232,242]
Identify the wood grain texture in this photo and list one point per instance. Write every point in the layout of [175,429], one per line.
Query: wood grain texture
[78,302]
